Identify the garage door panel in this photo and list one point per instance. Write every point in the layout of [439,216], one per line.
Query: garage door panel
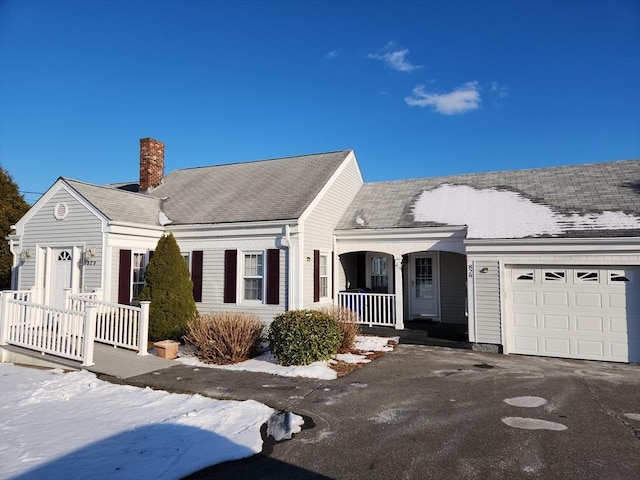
[590,349]
[556,322]
[526,320]
[525,298]
[575,312]
[617,300]
[555,299]
[557,346]
[527,344]
[588,300]
[589,324]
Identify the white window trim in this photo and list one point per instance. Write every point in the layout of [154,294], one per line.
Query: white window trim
[145,260]
[240,284]
[327,275]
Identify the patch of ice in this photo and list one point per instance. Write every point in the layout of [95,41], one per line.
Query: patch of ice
[351,358]
[526,401]
[282,425]
[386,416]
[633,416]
[533,424]
[484,212]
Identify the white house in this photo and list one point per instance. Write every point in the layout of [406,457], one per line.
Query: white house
[542,262]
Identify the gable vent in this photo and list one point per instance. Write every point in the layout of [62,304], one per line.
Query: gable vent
[60,211]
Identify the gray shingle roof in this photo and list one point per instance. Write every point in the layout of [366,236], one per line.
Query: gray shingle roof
[581,189]
[275,189]
[119,205]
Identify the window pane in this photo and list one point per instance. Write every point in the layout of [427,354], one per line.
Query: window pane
[253,289]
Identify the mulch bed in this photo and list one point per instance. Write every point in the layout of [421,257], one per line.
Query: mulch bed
[345,368]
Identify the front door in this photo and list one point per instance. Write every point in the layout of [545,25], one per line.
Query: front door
[424,285]
[61,271]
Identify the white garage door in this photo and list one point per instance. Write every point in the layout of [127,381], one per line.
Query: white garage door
[574,312]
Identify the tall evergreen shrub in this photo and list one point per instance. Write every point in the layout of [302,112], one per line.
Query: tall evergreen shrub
[169,288]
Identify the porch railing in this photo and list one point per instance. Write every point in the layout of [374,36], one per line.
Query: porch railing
[372,308]
[60,332]
[118,325]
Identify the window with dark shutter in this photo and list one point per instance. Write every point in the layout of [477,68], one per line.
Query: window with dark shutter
[124,277]
[196,274]
[273,276]
[316,275]
[230,272]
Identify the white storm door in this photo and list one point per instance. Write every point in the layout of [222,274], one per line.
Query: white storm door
[424,286]
[61,272]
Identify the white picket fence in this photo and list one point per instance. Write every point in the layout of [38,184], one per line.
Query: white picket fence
[372,308]
[71,332]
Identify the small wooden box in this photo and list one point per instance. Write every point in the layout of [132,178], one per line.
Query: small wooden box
[167,349]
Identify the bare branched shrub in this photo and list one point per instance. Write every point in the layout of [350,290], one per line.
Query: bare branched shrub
[223,338]
[349,325]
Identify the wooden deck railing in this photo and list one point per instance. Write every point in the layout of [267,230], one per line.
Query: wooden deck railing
[118,325]
[372,308]
[57,331]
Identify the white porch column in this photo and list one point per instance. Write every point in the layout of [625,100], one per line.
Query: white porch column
[90,318]
[397,276]
[143,328]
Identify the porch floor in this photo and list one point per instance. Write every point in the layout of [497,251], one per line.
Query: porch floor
[115,362]
[419,332]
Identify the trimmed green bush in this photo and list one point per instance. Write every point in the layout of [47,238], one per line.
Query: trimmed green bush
[301,337]
[169,288]
[224,337]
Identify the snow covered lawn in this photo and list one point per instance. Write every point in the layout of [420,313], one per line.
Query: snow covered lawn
[267,363]
[75,426]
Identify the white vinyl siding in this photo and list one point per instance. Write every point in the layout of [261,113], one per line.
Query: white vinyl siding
[79,228]
[487,302]
[320,224]
[213,248]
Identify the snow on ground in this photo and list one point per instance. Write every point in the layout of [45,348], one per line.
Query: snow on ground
[267,363]
[484,212]
[74,426]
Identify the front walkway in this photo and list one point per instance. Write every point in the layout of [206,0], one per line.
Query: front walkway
[115,362]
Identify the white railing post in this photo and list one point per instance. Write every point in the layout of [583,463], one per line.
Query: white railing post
[67,300]
[143,328]
[90,317]
[399,293]
[4,318]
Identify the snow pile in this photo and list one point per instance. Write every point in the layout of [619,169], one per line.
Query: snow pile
[267,363]
[491,213]
[74,426]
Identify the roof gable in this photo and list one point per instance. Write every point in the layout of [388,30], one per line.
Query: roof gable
[119,205]
[582,200]
[277,189]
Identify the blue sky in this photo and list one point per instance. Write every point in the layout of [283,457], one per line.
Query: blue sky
[416,88]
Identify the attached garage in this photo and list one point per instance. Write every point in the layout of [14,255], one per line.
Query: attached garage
[590,312]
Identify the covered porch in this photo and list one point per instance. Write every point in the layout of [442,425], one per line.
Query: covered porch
[403,278]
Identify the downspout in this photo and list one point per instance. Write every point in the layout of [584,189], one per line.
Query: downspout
[287,236]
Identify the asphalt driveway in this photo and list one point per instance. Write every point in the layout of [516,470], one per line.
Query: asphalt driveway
[425,412]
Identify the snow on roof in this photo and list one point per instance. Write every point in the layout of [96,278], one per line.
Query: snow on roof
[484,211]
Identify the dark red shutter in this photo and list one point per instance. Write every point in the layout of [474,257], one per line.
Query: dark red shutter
[124,277]
[196,274]
[230,272]
[316,275]
[273,276]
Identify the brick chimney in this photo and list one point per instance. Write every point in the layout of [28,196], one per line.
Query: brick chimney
[151,163]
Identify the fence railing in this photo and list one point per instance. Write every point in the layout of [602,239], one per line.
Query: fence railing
[118,325]
[372,308]
[60,332]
